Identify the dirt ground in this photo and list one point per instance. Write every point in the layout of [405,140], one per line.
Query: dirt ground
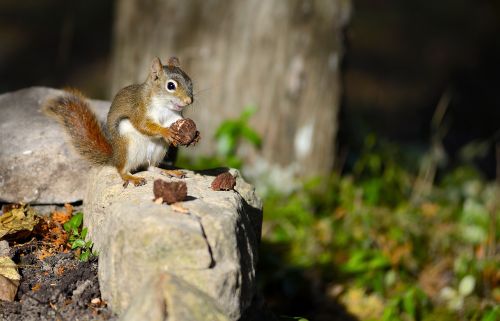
[55,284]
[59,287]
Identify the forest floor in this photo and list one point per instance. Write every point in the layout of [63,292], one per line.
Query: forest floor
[56,284]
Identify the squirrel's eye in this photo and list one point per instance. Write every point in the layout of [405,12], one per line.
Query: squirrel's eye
[171,85]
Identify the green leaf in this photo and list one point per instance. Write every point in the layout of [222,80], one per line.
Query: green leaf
[248,112]
[77,219]
[492,315]
[251,135]
[74,223]
[226,144]
[79,243]
[228,127]
[409,302]
[466,285]
[84,257]
[84,233]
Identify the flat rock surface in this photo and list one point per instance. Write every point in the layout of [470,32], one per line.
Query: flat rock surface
[213,247]
[37,165]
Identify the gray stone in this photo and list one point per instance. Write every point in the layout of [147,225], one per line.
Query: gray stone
[213,248]
[167,297]
[37,165]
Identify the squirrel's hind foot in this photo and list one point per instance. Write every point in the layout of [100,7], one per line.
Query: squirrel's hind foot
[137,181]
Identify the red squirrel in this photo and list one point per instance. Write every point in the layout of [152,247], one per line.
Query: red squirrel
[137,129]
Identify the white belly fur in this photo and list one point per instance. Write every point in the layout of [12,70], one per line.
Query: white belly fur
[146,150]
[141,150]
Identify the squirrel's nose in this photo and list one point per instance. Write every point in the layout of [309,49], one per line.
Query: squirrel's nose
[188,100]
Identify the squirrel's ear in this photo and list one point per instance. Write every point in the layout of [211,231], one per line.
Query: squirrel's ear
[156,67]
[173,62]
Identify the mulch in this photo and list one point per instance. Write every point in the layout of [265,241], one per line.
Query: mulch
[55,284]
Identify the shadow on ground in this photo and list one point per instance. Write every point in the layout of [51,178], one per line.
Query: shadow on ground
[292,291]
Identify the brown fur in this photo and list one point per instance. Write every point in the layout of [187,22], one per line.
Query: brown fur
[73,112]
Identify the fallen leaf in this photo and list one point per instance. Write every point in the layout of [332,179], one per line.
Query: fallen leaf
[8,268]
[9,279]
[43,253]
[18,222]
[36,287]
[60,217]
[69,209]
[8,288]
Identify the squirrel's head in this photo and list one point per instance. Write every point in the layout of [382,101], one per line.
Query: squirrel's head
[170,84]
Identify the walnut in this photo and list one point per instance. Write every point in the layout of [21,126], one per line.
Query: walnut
[171,192]
[186,129]
[224,182]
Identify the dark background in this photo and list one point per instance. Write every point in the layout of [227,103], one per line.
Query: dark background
[401,57]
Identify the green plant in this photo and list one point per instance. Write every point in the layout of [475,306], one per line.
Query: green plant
[77,236]
[362,238]
[362,231]
[230,134]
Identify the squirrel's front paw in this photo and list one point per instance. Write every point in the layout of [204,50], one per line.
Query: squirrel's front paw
[172,137]
[175,139]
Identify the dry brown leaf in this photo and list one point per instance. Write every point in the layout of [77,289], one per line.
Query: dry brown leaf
[9,279]
[60,217]
[18,222]
[43,253]
[8,288]
[69,208]
[36,287]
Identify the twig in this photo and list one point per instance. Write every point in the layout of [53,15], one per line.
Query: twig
[427,173]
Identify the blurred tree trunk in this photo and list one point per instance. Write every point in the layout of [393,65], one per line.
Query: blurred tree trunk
[281,56]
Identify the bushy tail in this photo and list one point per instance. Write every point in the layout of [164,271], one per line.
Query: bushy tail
[72,110]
